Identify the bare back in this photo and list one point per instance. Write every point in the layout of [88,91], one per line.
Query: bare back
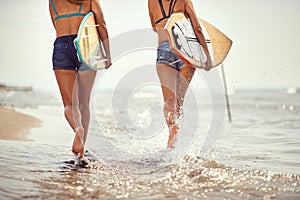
[155,13]
[68,25]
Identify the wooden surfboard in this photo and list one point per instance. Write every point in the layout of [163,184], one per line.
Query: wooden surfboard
[88,44]
[185,44]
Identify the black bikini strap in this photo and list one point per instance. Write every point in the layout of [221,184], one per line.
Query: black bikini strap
[171,9]
[162,8]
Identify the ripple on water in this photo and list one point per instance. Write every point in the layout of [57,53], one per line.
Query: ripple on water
[190,177]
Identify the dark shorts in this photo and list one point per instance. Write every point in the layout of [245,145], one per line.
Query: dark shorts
[165,55]
[65,55]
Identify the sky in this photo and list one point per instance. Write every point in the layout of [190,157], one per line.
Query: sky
[265,35]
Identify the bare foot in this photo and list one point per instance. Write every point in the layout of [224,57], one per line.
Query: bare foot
[78,146]
[172,136]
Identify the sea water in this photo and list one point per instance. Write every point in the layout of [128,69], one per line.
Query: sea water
[254,157]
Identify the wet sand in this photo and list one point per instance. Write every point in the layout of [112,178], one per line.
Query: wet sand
[15,125]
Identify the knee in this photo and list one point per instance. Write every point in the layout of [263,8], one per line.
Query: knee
[84,105]
[68,110]
[83,100]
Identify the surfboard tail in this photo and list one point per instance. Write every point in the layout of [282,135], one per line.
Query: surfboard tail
[221,44]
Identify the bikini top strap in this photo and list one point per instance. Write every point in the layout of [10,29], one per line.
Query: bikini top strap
[162,8]
[172,6]
[66,15]
[53,7]
[171,10]
[56,13]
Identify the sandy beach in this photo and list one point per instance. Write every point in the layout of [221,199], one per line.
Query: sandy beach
[15,125]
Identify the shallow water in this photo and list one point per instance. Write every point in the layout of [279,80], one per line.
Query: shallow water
[256,156]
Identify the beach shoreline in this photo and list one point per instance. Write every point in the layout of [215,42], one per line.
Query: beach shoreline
[16,125]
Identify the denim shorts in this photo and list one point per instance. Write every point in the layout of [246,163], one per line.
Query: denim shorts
[165,55]
[65,55]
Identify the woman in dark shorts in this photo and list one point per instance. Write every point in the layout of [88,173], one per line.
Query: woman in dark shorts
[174,75]
[74,79]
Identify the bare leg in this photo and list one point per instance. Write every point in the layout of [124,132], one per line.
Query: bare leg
[85,84]
[66,80]
[185,76]
[168,77]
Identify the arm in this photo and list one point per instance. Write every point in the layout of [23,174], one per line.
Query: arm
[189,8]
[151,16]
[102,29]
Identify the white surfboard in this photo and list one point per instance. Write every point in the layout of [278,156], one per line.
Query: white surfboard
[185,44]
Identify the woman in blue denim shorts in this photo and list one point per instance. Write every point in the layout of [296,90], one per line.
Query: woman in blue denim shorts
[74,79]
[173,73]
